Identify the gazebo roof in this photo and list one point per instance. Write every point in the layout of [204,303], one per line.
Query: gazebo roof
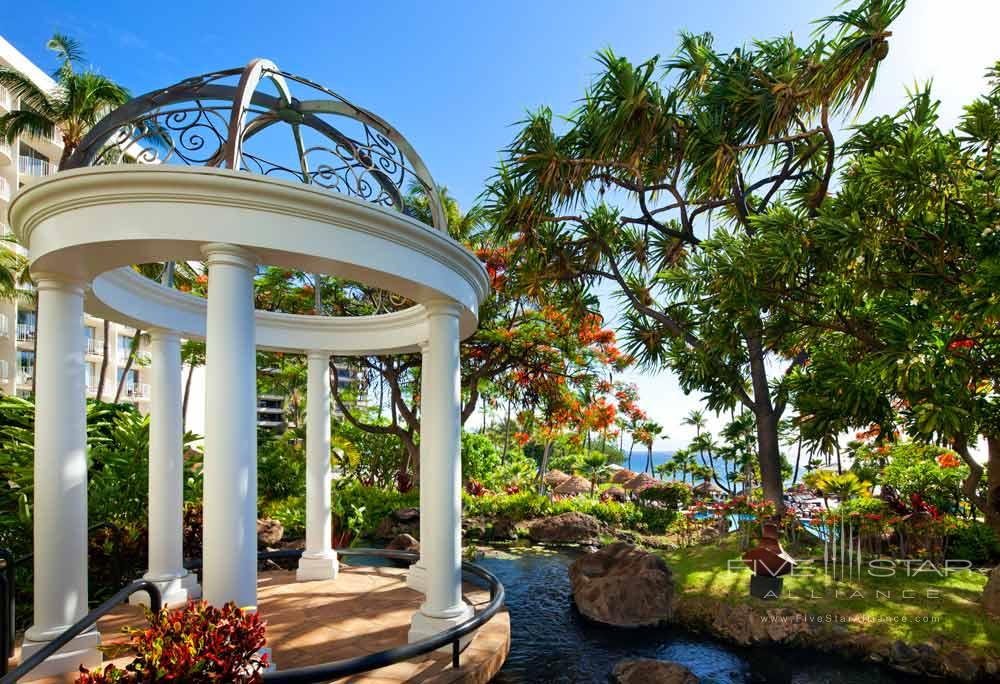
[573,486]
[262,120]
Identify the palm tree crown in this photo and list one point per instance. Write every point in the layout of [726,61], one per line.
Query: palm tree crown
[79,100]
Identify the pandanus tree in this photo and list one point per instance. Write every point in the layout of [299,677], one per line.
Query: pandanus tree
[907,336]
[659,153]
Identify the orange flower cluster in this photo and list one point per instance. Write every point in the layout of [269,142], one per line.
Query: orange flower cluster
[949,459]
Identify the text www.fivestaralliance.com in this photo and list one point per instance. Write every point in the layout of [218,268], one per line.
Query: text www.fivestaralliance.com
[835,617]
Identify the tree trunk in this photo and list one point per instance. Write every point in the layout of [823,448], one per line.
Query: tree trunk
[798,459]
[133,349]
[506,435]
[105,352]
[631,446]
[543,465]
[992,512]
[768,454]
[184,402]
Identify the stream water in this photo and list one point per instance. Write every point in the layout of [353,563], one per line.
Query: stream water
[552,643]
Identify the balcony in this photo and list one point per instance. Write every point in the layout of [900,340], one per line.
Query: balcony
[136,391]
[4,326]
[6,156]
[25,332]
[95,347]
[142,358]
[33,166]
[4,190]
[24,375]
[6,99]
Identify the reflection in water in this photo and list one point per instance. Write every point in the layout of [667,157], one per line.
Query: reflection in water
[551,642]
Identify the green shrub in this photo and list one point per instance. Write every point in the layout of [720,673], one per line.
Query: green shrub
[656,519]
[515,507]
[626,515]
[913,469]
[290,512]
[480,458]
[281,467]
[376,502]
[974,541]
[670,494]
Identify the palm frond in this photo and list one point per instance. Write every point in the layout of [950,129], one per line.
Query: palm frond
[21,122]
[24,89]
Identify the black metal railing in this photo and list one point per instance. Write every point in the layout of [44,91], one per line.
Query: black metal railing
[82,625]
[324,672]
[8,591]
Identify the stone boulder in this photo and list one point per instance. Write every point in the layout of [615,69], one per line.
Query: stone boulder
[269,532]
[402,521]
[623,586]
[565,528]
[991,594]
[403,542]
[649,671]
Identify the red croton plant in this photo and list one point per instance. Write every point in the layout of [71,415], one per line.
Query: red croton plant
[197,643]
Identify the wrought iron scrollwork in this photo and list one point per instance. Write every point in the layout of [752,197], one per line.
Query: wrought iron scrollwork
[207,121]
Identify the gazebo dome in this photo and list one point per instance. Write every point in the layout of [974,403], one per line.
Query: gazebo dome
[298,131]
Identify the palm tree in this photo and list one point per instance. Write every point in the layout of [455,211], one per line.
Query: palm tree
[663,470]
[650,431]
[594,467]
[79,100]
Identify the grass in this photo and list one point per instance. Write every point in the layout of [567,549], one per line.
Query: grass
[933,605]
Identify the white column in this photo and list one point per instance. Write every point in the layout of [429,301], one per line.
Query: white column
[440,476]
[416,578]
[166,476]
[319,561]
[60,496]
[230,490]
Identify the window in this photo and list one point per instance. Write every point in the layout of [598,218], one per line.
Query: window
[25,365]
[90,375]
[124,347]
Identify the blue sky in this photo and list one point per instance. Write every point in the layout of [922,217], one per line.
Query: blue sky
[455,76]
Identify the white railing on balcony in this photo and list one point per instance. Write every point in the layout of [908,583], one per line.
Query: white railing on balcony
[33,166]
[135,390]
[25,331]
[5,149]
[4,326]
[24,375]
[6,101]
[4,189]
[4,376]
[142,358]
[95,346]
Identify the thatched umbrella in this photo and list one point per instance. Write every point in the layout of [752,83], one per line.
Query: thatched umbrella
[614,493]
[554,478]
[573,486]
[640,482]
[622,476]
[707,488]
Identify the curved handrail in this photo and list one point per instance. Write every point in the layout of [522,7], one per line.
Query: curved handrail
[85,623]
[313,673]
[326,672]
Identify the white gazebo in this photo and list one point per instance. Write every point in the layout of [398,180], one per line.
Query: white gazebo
[232,170]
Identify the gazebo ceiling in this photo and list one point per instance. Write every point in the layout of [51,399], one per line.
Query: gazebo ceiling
[302,132]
